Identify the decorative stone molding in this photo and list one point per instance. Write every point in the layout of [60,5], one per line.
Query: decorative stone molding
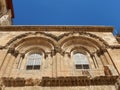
[22,55]
[101,51]
[56,38]
[58,28]
[60,81]
[114,46]
[13,51]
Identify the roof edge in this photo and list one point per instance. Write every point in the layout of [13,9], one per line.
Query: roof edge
[57,28]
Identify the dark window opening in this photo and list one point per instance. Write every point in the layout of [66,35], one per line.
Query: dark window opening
[82,66]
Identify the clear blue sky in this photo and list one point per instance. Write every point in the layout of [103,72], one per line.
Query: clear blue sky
[67,12]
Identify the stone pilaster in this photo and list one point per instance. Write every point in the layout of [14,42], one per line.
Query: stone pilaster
[20,60]
[15,65]
[100,65]
[5,63]
[9,66]
[54,66]
[3,54]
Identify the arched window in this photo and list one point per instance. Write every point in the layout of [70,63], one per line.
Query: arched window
[81,61]
[34,61]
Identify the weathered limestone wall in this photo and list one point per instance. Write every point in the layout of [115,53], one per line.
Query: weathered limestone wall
[57,48]
[115,56]
[65,66]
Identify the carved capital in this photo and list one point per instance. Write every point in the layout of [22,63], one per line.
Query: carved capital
[101,51]
[22,55]
[57,49]
[13,52]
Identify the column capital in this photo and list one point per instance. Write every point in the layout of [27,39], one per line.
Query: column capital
[13,51]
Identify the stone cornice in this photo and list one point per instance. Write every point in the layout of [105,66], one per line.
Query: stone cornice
[59,81]
[58,28]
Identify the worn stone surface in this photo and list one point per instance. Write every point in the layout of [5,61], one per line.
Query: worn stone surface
[57,48]
[57,45]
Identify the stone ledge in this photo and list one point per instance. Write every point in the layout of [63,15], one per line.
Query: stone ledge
[58,28]
[59,81]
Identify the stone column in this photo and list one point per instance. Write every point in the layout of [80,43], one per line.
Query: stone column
[15,65]
[9,66]
[108,58]
[43,66]
[100,65]
[20,60]
[103,59]
[3,54]
[61,62]
[48,65]
[54,66]
[66,65]
[17,61]
[91,62]
[5,63]
[58,63]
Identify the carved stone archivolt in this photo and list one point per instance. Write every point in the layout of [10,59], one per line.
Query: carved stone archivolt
[56,38]
[55,43]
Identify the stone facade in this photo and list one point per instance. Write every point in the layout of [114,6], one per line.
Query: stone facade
[57,45]
[6,12]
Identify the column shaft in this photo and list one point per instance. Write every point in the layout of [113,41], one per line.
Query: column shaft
[4,66]
[9,66]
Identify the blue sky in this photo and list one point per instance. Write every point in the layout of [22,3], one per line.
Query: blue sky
[67,12]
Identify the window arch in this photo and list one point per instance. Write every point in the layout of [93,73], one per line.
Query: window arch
[81,61]
[33,61]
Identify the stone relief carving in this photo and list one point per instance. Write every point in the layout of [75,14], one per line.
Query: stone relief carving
[59,81]
[57,48]
[57,38]
[4,20]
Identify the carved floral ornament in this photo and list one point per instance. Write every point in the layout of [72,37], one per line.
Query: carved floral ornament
[62,44]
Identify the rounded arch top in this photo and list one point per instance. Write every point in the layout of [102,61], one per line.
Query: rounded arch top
[83,35]
[14,42]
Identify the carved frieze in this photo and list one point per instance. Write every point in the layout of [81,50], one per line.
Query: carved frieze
[60,81]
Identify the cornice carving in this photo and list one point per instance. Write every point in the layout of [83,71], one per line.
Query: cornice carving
[114,46]
[58,28]
[60,81]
